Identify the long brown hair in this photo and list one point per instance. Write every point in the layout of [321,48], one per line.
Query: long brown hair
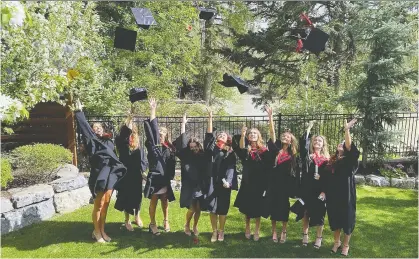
[197,142]
[168,140]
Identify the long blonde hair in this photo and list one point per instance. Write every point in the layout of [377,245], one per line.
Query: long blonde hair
[324,151]
[134,138]
[259,143]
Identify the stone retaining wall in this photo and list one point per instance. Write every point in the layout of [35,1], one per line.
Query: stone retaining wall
[22,207]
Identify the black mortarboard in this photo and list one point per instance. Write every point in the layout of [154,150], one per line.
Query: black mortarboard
[294,33]
[137,94]
[206,13]
[298,208]
[125,39]
[143,17]
[316,41]
[235,81]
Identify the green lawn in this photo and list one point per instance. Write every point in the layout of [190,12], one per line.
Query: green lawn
[387,226]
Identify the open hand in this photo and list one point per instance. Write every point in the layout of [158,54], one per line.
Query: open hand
[350,124]
[244,130]
[77,105]
[184,119]
[268,109]
[209,112]
[153,103]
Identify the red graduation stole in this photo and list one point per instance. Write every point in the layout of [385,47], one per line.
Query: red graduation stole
[254,152]
[319,160]
[282,157]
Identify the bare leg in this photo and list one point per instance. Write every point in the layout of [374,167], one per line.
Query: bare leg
[165,207]
[103,213]
[284,231]
[305,229]
[138,220]
[274,234]
[222,219]
[152,212]
[247,228]
[128,222]
[197,214]
[189,215]
[345,248]
[319,237]
[337,244]
[213,218]
[98,205]
[257,229]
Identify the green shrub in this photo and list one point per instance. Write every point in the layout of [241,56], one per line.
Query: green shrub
[39,163]
[6,172]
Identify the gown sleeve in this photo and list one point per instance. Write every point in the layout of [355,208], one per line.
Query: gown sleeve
[144,160]
[231,170]
[242,153]
[84,126]
[181,144]
[122,142]
[352,157]
[209,143]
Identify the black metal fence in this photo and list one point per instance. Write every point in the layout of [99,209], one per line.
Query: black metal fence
[329,125]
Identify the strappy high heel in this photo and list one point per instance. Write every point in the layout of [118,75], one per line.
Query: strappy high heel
[164,224]
[195,231]
[283,237]
[305,243]
[98,239]
[247,234]
[187,230]
[336,247]
[214,236]
[318,243]
[221,235]
[275,237]
[345,250]
[150,230]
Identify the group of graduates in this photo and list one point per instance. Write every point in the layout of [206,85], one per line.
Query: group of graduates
[271,175]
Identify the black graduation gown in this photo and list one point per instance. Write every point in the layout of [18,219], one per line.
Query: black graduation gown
[254,184]
[341,192]
[223,165]
[193,174]
[161,160]
[311,188]
[105,168]
[283,182]
[130,194]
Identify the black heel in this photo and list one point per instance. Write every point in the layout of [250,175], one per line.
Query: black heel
[150,230]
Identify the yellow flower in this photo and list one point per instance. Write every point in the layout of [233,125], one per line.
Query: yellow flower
[71,74]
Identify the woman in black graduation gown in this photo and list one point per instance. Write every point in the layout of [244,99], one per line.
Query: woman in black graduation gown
[223,174]
[193,177]
[256,160]
[314,155]
[130,195]
[162,162]
[283,179]
[105,170]
[341,191]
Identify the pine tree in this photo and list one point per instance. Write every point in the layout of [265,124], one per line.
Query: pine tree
[385,30]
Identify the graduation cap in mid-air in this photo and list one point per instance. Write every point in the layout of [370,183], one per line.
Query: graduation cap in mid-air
[235,81]
[125,39]
[143,17]
[316,41]
[206,13]
[137,94]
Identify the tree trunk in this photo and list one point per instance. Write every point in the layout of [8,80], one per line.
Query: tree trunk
[207,87]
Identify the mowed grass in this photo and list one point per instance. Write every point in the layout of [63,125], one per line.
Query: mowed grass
[387,226]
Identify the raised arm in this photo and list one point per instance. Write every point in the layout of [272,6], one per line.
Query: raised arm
[183,126]
[209,130]
[243,137]
[153,107]
[84,126]
[348,139]
[310,125]
[271,123]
